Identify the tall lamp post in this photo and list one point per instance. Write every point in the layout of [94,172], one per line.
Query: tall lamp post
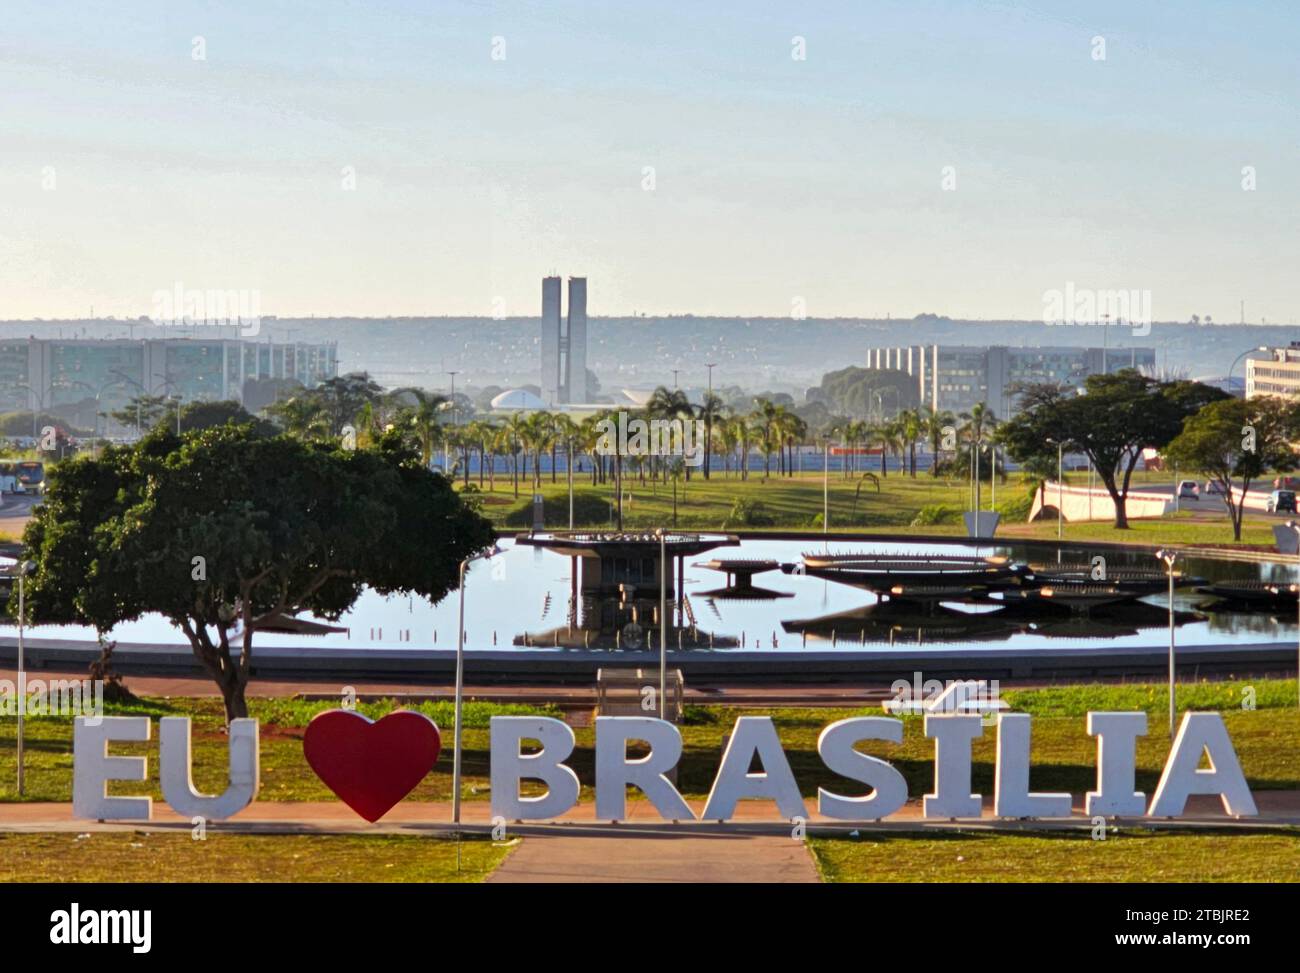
[127,378]
[460,683]
[1248,351]
[663,623]
[826,487]
[708,424]
[23,569]
[169,382]
[1295,527]
[1060,485]
[1169,557]
[568,463]
[37,412]
[451,407]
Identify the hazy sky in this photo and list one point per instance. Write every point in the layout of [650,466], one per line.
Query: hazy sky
[127,165]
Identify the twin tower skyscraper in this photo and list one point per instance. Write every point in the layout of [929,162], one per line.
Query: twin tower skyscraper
[564,343]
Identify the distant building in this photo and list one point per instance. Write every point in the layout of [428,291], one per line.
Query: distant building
[78,377]
[517,400]
[958,377]
[1277,375]
[564,342]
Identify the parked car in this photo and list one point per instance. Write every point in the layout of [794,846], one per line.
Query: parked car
[1188,490]
[1214,488]
[1286,483]
[1280,500]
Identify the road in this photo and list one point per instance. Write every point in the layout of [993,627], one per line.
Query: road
[15,511]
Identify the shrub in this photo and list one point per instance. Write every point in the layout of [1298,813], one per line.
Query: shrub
[935,514]
[748,513]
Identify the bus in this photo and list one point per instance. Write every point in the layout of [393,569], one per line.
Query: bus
[31,475]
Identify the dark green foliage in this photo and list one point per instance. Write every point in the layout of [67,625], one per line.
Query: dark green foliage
[225,526]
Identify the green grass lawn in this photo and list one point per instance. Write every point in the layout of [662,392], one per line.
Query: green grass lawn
[1267,741]
[890,505]
[1135,855]
[165,856]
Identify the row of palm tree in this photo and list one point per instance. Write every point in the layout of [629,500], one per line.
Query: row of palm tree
[523,439]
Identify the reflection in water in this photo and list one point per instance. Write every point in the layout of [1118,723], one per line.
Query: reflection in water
[908,623]
[526,598]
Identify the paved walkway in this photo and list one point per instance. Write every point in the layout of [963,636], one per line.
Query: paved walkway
[654,856]
[1276,809]
[755,846]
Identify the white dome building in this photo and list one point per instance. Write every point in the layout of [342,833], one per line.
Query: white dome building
[517,400]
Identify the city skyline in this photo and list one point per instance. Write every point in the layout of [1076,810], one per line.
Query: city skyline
[739,160]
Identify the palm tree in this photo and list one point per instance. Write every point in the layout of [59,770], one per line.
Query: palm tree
[302,417]
[886,435]
[668,405]
[911,428]
[566,431]
[791,429]
[588,441]
[979,421]
[481,433]
[738,437]
[766,417]
[515,432]
[935,425]
[423,419]
[709,410]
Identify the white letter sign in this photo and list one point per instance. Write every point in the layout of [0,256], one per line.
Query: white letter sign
[952,797]
[754,735]
[1011,796]
[1116,793]
[836,748]
[614,772]
[509,767]
[93,768]
[1202,733]
[175,770]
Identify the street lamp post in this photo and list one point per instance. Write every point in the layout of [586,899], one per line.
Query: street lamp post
[127,378]
[993,476]
[460,684]
[708,430]
[1248,351]
[663,622]
[99,393]
[1169,557]
[446,445]
[40,399]
[1295,527]
[1060,472]
[169,382]
[24,568]
[826,487]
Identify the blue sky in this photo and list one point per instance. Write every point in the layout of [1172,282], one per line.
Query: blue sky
[127,165]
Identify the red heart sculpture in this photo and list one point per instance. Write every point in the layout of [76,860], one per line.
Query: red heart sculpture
[371,765]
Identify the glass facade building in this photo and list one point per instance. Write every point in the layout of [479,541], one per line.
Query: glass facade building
[79,378]
[955,378]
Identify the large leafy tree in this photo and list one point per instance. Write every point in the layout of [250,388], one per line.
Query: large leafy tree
[1117,416]
[143,410]
[225,533]
[205,415]
[1236,441]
